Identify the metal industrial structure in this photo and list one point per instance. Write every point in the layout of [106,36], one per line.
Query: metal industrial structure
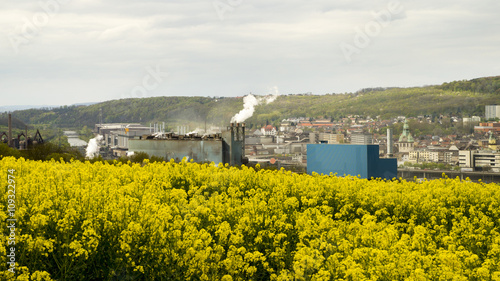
[350,159]
[116,136]
[22,141]
[226,147]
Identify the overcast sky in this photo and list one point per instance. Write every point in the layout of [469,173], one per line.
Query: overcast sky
[56,52]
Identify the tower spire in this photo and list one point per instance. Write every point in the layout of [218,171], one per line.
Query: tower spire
[406,135]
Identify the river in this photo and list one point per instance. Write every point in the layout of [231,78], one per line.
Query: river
[74,139]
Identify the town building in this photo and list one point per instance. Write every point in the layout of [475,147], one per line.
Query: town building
[286,126]
[406,142]
[487,127]
[330,138]
[471,120]
[361,139]
[480,160]
[492,143]
[268,130]
[492,112]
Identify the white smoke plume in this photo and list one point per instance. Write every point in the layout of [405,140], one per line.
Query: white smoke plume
[249,104]
[273,95]
[197,131]
[93,147]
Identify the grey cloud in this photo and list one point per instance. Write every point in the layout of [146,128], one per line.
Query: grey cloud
[99,49]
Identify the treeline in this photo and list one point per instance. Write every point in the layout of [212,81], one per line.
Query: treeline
[145,110]
[488,85]
[446,127]
[410,102]
[463,98]
[16,123]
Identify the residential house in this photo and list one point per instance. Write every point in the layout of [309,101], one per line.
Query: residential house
[268,130]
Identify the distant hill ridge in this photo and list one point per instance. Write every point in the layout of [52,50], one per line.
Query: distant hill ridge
[10,108]
[461,98]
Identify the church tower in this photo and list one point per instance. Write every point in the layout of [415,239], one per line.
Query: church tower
[406,141]
[492,142]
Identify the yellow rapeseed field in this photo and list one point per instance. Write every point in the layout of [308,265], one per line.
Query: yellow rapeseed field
[188,221]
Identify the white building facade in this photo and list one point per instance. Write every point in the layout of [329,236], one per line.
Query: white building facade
[492,112]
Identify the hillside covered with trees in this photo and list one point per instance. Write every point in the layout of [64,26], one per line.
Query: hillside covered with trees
[460,98]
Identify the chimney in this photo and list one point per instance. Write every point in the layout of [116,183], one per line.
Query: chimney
[10,130]
[390,143]
[243,136]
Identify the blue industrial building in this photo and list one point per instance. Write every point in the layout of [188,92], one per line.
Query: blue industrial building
[350,159]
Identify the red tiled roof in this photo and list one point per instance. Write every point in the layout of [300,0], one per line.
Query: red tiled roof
[269,128]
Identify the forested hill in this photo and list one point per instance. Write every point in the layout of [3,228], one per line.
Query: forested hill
[462,98]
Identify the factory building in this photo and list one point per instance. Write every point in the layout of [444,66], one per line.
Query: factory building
[349,159]
[116,136]
[227,147]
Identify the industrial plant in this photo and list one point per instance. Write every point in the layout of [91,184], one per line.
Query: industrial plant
[350,159]
[21,141]
[226,147]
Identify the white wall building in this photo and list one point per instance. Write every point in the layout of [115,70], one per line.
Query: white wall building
[492,112]
[268,130]
[479,159]
[361,139]
[473,119]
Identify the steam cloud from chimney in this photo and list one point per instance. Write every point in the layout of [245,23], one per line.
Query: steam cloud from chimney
[93,147]
[272,96]
[249,104]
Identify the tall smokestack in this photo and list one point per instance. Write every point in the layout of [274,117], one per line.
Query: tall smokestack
[10,130]
[390,143]
[243,139]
